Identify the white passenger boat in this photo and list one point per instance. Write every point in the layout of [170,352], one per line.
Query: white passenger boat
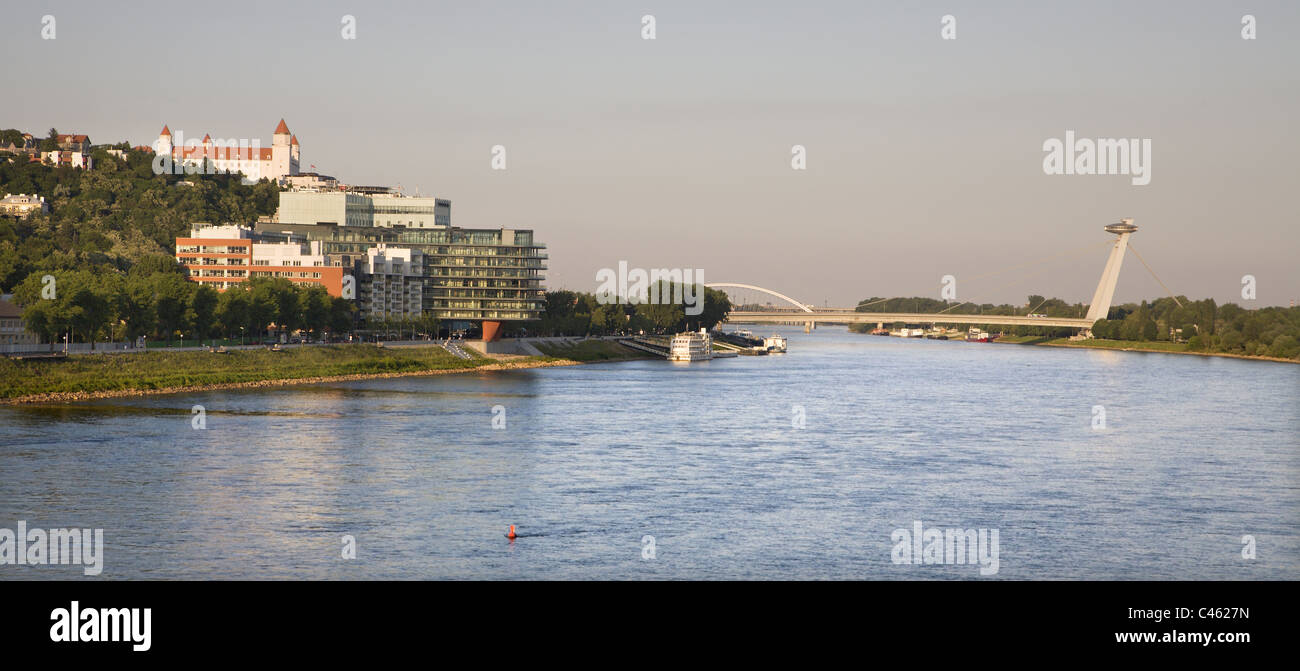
[775,343]
[691,346]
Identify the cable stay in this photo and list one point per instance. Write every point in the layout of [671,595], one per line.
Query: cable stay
[1153,274]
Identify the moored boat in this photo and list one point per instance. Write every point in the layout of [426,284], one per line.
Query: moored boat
[691,346]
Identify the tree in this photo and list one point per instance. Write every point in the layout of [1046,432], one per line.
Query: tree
[1230,341]
[1131,328]
[233,310]
[90,306]
[1149,329]
[263,305]
[315,309]
[51,142]
[717,305]
[204,309]
[12,136]
[136,306]
[1285,346]
[172,302]
[157,263]
[342,315]
[608,319]
[288,305]
[44,315]
[429,324]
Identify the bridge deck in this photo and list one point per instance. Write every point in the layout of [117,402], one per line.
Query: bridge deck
[851,317]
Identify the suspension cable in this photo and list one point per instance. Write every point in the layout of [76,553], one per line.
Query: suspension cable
[1153,274]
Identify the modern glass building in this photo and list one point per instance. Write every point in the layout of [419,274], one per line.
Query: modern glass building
[481,275]
[363,206]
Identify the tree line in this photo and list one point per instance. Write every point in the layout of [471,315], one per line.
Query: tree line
[576,313]
[155,300]
[1203,325]
[1206,326]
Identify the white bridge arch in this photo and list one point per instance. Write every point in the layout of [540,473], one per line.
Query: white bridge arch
[733,285]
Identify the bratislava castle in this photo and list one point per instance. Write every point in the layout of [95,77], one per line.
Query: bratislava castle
[236,155]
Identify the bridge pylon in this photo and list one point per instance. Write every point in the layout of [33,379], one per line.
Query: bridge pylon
[1100,306]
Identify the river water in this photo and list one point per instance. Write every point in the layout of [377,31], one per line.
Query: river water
[804,465]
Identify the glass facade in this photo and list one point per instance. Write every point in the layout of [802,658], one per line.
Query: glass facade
[360,209]
[468,274]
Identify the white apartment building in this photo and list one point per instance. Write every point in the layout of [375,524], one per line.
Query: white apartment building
[392,285]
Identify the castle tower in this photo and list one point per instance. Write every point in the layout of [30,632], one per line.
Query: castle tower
[281,136]
[1100,306]
[282,160]
[164,143]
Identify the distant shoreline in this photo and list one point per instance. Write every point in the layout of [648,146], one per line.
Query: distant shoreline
[1228,355]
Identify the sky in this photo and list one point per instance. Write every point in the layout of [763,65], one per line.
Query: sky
[924,155]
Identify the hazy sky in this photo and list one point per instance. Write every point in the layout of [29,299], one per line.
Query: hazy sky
[924,155]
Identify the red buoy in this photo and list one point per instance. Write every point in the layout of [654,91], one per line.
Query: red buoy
[511,535]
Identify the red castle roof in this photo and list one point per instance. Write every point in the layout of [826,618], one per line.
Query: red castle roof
[166,132]
[223,153]
[282,129]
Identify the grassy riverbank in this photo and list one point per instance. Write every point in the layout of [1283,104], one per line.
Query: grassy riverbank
[86,376]
[89,373]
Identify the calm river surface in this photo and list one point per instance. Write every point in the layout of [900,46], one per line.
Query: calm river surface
[1196,453]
